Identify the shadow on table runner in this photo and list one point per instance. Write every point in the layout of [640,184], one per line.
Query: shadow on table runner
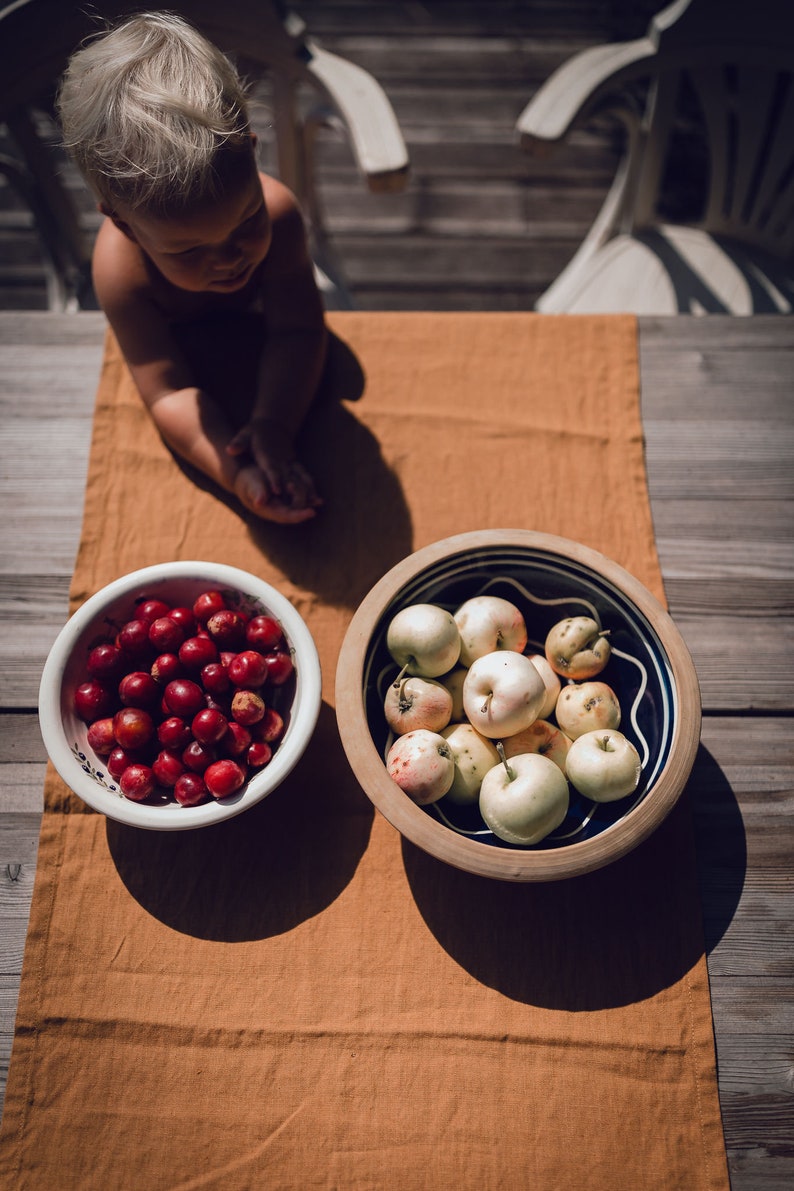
[262,873]
[596,942]
[364,1016]
[365,524]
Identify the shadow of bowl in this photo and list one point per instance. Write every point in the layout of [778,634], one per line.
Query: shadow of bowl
[608,938]
[264,872]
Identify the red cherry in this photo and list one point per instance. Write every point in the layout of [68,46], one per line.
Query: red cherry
[224,778]
[168,768]
[197,756]
[93,700]
[133,639]
[263,633]
[237,739]
[149,610]
[105,661]
[133,727]
[279,667]
[119,760]
[215,679]
[271,727]
[139,689]
[137,782]
[185,619]
[259,754]
[248,669]
[165,635]
[174,733]
[209,726]
[190,790]
[197,652]
[100,737]
[184,697]
[206,604]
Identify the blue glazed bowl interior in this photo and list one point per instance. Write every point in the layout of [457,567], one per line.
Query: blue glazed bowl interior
[546,588]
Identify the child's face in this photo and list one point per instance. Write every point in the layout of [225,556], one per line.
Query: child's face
[215,248]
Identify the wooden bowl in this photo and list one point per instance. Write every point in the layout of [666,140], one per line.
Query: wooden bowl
[549,578]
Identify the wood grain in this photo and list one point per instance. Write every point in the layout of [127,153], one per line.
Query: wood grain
[728,565]
[482,227]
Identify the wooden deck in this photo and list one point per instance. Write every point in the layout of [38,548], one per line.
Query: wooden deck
[716,410]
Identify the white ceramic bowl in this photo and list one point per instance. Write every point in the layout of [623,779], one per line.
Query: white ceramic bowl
[178,583]
[549,578]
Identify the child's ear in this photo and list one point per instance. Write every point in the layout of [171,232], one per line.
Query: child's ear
[119,222]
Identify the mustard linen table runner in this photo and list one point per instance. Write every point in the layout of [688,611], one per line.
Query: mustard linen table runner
[298,998]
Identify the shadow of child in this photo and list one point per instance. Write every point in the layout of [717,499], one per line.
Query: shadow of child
[364,526]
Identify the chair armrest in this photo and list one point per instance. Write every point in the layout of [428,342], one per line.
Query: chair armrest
[571,93]
[377,142]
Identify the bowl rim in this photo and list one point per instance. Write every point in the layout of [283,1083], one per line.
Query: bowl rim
[285,758]
[430,834]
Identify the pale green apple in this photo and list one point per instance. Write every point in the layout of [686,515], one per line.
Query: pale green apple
[502,694]
[524,799]
[423,639]
[474,755]
[604,766]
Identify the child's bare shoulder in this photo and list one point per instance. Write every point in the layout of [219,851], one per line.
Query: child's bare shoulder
[286,219]
[118,267]
[279,199]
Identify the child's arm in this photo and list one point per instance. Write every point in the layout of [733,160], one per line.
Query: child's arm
[293,356]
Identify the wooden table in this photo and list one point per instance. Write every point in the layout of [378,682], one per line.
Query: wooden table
[716,396]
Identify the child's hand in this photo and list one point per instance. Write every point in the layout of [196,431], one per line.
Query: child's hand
[274,485]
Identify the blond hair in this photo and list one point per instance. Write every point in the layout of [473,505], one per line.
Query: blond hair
[148,109]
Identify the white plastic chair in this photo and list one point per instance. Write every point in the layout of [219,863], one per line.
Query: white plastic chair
[737,57]
[36,39]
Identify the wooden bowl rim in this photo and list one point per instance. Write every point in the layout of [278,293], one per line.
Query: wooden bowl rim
[430,834]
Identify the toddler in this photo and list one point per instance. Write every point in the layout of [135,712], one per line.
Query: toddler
[155,117]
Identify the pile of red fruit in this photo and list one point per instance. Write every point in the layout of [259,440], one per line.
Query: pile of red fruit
[181,699]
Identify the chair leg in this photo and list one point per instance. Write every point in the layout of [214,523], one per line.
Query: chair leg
[66,257]
[295,139]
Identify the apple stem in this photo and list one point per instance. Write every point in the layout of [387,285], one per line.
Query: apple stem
[606,744]
[486,704]
[501,751]
[403,672]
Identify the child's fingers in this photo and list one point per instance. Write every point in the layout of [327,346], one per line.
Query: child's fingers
[240,443]
[301,489]
[284,514]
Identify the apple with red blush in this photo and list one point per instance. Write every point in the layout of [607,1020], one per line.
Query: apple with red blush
[422,765]
[540,737]
[413,702]
[487,623]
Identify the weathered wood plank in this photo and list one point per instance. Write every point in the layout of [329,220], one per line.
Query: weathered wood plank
[728,571]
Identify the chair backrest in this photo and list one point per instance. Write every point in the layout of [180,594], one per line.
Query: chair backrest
[737,60]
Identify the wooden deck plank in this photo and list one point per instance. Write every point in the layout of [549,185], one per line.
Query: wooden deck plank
[743,792]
